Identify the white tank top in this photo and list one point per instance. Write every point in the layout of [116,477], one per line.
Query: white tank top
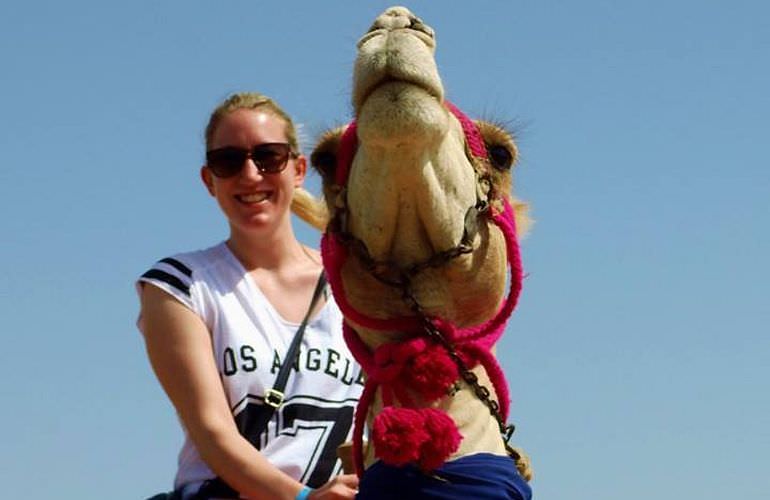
[250,341]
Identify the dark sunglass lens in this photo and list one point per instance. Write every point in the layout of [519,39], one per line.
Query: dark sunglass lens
[271,158]
[226,162]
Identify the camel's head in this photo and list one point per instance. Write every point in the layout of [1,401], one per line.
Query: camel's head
[416,177]
[420,239]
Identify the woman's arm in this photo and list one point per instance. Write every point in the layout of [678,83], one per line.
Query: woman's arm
[180,351]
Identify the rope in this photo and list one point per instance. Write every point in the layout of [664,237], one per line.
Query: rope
[396,359]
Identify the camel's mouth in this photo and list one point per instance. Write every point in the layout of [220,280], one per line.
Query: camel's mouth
[395,57]
[394,87]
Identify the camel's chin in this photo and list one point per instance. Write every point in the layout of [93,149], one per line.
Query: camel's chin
[397,110]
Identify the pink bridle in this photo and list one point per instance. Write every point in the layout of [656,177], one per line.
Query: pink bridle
[474,342]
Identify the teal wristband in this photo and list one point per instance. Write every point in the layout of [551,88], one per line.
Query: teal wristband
[304,493]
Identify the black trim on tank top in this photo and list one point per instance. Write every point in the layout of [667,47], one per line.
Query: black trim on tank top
[178,266]
[167,278]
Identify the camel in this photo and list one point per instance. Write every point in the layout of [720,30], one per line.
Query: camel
[421,249]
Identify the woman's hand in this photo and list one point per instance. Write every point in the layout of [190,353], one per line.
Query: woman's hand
[344,486]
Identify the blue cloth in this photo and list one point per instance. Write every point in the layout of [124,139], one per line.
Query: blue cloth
[482,476]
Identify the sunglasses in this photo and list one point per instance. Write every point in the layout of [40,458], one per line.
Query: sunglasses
[270,158]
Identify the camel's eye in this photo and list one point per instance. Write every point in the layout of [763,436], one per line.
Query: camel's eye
[500,156]
[324,161]
[500,145]
[324,156]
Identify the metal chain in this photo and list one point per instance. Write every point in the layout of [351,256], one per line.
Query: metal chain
[392,275]
[388,272]
[402,280]
[470,378]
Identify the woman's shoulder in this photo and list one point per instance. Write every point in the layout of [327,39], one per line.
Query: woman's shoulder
[194,261]
[178,272]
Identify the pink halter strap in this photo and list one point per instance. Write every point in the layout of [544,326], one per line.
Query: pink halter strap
[386,364]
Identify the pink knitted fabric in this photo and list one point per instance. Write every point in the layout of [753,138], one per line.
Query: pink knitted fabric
[423,435]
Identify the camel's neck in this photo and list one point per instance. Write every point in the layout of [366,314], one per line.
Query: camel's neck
[408,200]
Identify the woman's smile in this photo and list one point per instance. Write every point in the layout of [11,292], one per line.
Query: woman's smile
[254,198]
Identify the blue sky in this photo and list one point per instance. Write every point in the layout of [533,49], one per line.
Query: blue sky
[639,356]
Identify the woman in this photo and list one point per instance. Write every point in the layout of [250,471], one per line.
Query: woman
[217,324]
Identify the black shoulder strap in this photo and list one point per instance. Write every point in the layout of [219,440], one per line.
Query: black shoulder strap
[273,398]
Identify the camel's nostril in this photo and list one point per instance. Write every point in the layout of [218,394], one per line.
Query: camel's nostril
[417,25]
[393,19]
[400,18]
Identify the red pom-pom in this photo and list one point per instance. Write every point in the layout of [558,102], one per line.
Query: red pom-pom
[432,372]
[444,439]
[398,434]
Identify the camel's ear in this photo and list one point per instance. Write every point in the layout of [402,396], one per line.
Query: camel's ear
[324,156]
[524,221]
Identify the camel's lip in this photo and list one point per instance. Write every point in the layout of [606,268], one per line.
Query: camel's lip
[424,33]
[424,84]
[380,64]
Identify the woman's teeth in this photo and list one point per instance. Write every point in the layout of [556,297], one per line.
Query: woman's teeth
[253,198]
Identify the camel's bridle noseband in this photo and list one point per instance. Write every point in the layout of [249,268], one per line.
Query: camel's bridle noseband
[461,345]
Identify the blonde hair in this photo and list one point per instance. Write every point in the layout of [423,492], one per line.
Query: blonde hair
[251,100]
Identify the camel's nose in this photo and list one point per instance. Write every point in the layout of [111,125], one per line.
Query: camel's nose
[399,18]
